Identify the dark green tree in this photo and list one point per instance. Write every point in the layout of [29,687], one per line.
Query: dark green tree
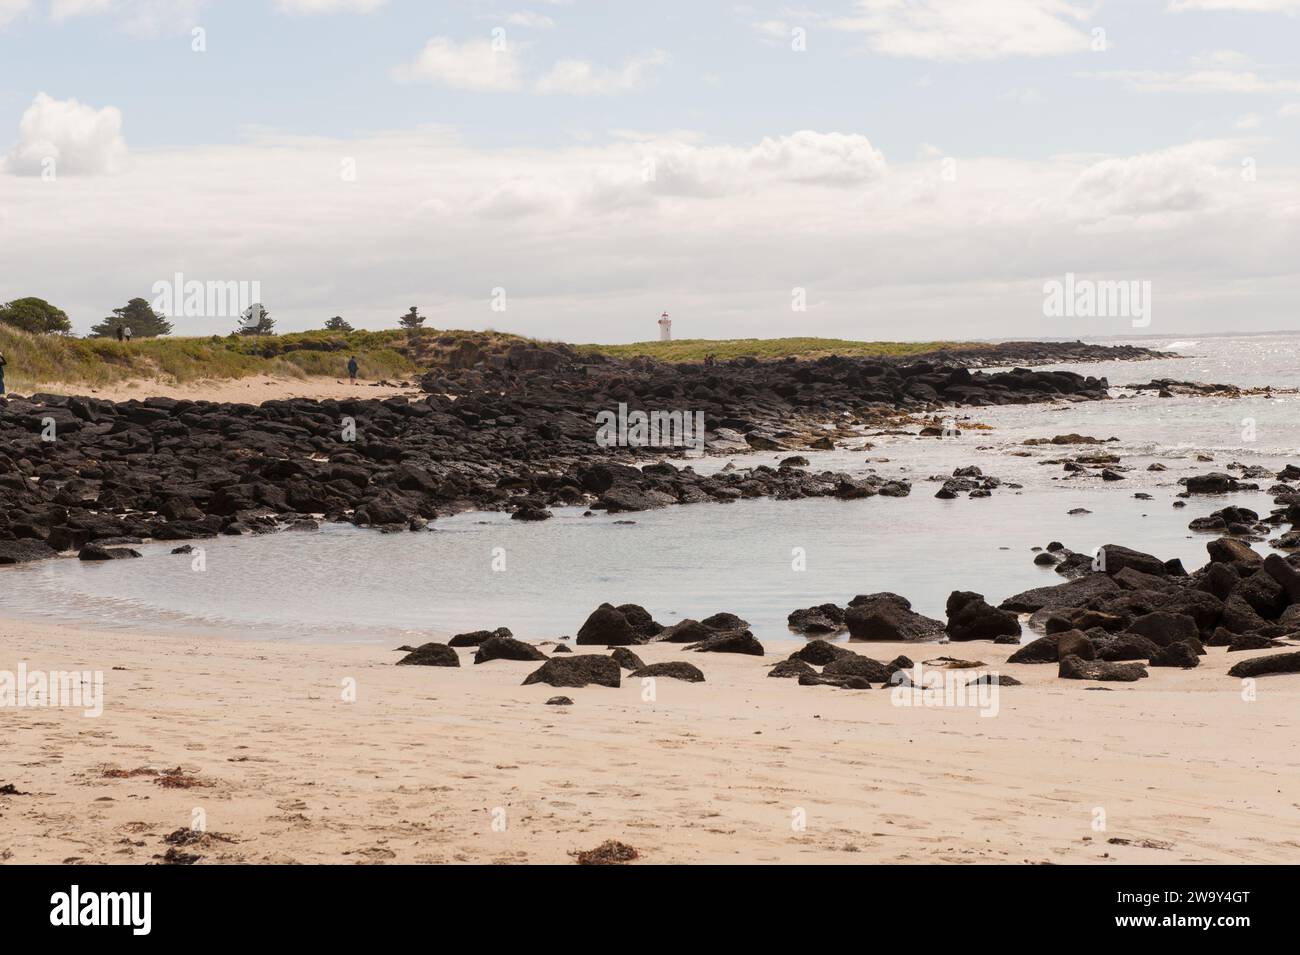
[256,320]
[35,315]
[137,315]
[336,324]
[412,320]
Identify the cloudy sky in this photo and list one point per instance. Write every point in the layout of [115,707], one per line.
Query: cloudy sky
[909,169]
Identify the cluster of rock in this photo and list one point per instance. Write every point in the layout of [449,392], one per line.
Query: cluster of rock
[889,617]
[1169,387]
[502,431]
[1124,606]
[563,670]
[970,481]
[1242,521]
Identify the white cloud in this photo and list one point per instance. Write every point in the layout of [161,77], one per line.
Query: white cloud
[310,7]
[1289,110]
[472,65]
[1197,81]
[81,140]
[142,17]
[581,78]
[530,20]
[13,9]
[1184,179]
[589,250]
[970,29]
[1251,6]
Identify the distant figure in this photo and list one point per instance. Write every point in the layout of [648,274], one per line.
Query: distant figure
[352,368]
[121,333]
[127,331]
[2,373]
[710,360]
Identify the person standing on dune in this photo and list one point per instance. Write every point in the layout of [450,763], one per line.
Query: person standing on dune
[2,373]
[352,369]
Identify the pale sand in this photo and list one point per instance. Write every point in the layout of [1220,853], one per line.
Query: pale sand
[252,390]
[414,769]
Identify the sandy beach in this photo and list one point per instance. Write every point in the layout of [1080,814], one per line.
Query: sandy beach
[252,390]
[466,765]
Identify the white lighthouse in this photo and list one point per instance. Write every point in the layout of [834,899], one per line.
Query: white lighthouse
[665,328]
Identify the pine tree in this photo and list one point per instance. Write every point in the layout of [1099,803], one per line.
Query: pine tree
[256,320]
[137,315]
[412,320]
[337,324]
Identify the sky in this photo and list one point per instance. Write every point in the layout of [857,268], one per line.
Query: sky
[570,169]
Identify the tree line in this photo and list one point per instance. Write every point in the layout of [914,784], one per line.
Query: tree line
[39,317]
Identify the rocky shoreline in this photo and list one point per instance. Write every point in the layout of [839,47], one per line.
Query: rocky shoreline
[1128,611]
[508,430]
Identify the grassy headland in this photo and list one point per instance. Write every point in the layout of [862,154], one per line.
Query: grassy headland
[694,349]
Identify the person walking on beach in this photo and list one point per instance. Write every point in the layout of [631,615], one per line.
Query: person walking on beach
[352,369]
[2,373]
[127,332]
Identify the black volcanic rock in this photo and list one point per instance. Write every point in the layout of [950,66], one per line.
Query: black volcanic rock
[577,671]
[729,641]
[431,655]
[971,618]
[674,669]
[1267,666]
[888,617]
[506,648]
[1073,668]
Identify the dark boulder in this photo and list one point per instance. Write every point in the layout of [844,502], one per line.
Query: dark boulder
[1042,650]
[729,641]
[884,617]
[1072,593]
[1177,654]
[791,668]
[578,671]
[1125,646]
[1267,666]
[820,652]
[971,618]
[431,655]
[95,551]
[685,631]
[1113,558]
[824,618]
[607,626]
[1072,668]
[24,551]
[507,648]
[675,669]
[477,637]
[1163,628]
[626,659]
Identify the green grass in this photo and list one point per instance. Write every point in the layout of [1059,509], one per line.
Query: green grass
[694,349]
[54,359]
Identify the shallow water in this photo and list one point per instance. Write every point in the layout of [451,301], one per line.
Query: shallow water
[346,584]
